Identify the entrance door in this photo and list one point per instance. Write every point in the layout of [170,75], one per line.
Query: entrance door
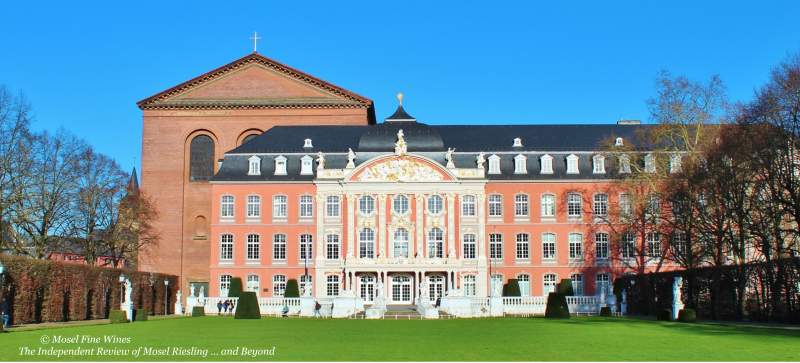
[367,288]
[435,286]
[401,289]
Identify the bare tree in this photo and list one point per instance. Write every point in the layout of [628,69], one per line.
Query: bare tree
[15,144]
[132,230]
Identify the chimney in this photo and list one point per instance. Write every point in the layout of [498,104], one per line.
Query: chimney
[629,122]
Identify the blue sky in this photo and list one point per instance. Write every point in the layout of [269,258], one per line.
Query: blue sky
[84,65]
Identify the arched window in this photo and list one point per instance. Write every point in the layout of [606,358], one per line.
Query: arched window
[201,158]
[248,138]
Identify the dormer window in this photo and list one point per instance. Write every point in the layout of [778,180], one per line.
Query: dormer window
[307,143]
[624,164]
[520,164]
[618,142]
[572,164]
[494,164]
[280,165]
[517,142]
[306,163]
[650,163]
[255,165]
[547,164]
[675,163]
[599,164]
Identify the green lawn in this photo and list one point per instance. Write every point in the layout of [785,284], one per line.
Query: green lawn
[390,340]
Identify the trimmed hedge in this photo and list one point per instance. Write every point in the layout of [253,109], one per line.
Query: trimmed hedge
[565,287]
[605,311]
[247,307]
[140,315]
[236,287]
[511,288]
[292,289]
[557,307]
[198,311]
[687,316]
[117,317]
[41,291]
[665,315]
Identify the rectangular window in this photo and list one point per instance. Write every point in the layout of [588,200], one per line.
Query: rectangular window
[521,205]
[496,246]
[279,208]
[226,247]
[253,206]
[253,247]
[577,284]
[602,284]
[548,206]
[548,246]
[468,206]
[226,207]
[654,244]
[625,207]
[575,246]
[574,205]
[524,282]
[599,164]
[332,206]
[279,247]
[332,246]
[523,247]
[306,243]
[366,243]
[278,285]
[224,284]
[495,205]
[601,246]
[679,244]
[628,245]
[469,244]
[600,205]
[332,286]
[253,284]
[306,206]
[470,287]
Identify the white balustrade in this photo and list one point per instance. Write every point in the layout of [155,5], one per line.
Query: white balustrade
[524,305]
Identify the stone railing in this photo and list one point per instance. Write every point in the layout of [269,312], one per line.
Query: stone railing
[210,305]
[583,304]
[274,305]
[480,306]
[524,305]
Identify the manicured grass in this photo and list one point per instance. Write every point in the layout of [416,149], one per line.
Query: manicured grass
[402,340]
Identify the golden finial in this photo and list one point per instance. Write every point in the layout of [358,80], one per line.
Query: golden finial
[400,98]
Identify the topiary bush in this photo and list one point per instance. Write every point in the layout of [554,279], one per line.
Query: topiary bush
[605,311]
[511,288]
[140,315]
[565,287]
[292,289]
[117,316]
[198,311]
[247,307]
[557,307]
[687,316]
[236,287]
[664,315]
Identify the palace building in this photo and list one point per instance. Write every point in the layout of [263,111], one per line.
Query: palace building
[262,172]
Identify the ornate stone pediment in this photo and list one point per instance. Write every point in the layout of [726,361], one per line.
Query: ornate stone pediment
[401,169]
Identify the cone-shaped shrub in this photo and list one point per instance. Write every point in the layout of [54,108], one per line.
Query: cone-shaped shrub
[247,307]
[565,287]
[292,290]
[556,306]
[140,315]
[687,316]
[117,316]
[236,287]
[511,288]
[198,311]
[605,311]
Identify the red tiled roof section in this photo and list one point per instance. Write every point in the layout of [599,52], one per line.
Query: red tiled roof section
[152,101]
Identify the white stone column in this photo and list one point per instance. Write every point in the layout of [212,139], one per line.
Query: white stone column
[451,230]
[382,225]
[420,227]
[351,222]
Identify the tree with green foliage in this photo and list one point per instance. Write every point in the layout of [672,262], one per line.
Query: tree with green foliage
[557,307]
[565,287]
[236,287]
[247,307]
[511,288]
[292,289]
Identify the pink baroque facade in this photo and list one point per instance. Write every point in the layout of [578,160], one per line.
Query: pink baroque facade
[463,208]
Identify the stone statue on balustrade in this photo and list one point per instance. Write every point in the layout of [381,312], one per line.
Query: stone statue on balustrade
[128,292]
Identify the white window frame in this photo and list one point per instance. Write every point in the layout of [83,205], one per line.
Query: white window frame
[306,248]
[469,246]
[278,285]
[279,245]
[653,245]
[520,164]
[524,282]
[624,164]
[224,284]
[366,243]
[650,163]
[599,164]
[601,246]
[306,206]
[600,205]
[574,205]
[523,246]
[226,247]
[306,165]
[494,164]
[366,205]
[602,284]
[254,165]
[253,208]
[253,283]
[577,283]
[469,206]
[227,207]
[575,241]
[332,285]
[572,164]
[435,243]
[470,285]
[496,246]
[253,247]
[495,202]
[333,206]
[628,241]
[333,247]
[549,249]
[435,204]
[625,205]
[401,204]
[549,283]
[401,237]
[280,165]
[547,164]
[548,202]
[521,205]
[280,207]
